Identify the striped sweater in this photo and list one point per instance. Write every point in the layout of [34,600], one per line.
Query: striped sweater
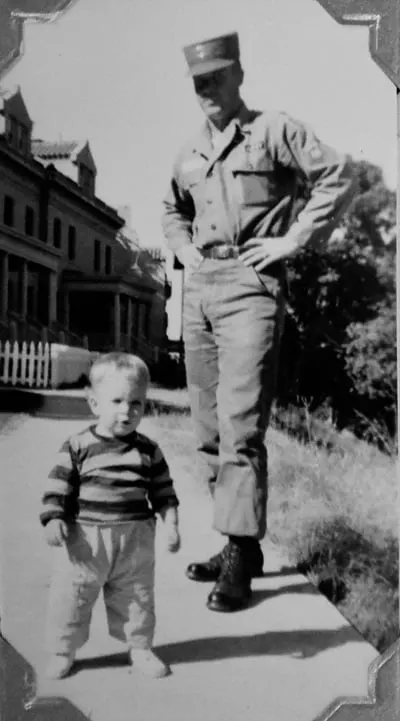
[107,480]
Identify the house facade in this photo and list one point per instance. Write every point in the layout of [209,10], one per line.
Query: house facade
[70,267]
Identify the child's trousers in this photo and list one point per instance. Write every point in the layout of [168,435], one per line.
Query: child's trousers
[118,559]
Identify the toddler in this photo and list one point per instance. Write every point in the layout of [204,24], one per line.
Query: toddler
[98,513]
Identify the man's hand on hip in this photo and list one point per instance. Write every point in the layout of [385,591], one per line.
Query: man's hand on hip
[190,257]
[261,252]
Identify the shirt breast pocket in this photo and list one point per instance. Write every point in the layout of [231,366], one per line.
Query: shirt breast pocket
[256,182]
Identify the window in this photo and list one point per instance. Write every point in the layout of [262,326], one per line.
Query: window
[18,134]
[23,139]
[29,221]
[8,211]
[12,131]
[97,255]
[108,260]
[86,179]
[146,320]
[57,233]
[71,242]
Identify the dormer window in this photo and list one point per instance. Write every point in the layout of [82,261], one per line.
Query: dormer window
[18,125]
[12,130]
[23,139]
[86,179]
[18,135]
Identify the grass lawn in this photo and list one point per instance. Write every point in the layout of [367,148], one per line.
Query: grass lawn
[335,514]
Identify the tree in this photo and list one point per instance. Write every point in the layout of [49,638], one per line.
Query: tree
[338,295]
[371,363]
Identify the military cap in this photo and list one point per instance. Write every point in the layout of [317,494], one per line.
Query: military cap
[211,55]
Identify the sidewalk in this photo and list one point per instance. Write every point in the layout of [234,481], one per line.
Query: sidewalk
[287,657]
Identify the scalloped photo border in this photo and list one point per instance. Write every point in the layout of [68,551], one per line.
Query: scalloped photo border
[382,17]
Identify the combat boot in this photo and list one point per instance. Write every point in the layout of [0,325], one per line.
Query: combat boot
[211,569]
[233,588]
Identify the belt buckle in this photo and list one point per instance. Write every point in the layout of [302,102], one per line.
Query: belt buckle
[224,252]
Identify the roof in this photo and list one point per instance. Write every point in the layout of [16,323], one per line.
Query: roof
[54,150]
[12,100]
[7,93]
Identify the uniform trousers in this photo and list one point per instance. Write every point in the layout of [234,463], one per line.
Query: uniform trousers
[116,559]
[232,326]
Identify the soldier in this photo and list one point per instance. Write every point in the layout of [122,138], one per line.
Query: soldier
[229,219]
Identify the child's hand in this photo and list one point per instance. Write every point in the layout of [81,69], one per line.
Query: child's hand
[56,532]
[173,539]
[171,529]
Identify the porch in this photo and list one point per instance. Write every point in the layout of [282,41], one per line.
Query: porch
[111,314]
[30,308]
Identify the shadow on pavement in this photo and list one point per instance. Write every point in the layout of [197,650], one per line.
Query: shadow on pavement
[112,660]
[283,571]
[261,595]
[297,644]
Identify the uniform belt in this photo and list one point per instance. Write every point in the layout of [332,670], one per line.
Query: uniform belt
[223,251]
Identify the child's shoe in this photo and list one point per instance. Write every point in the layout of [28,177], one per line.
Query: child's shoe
[146,661]
[59,665]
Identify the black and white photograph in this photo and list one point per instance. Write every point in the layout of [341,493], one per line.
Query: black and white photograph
[198,359]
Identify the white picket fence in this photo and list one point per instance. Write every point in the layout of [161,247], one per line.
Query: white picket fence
[25,364]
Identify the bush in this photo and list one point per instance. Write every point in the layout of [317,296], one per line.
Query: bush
[338,345]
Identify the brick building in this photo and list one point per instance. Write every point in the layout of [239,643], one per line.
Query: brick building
[69,263]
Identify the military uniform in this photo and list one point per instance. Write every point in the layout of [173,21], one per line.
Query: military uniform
[248,185]
[221,194]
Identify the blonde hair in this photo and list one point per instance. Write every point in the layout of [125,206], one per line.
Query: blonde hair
[118,361]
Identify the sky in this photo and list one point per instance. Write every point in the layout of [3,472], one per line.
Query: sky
[113,71]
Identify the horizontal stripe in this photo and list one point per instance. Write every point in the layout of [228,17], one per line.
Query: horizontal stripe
[117,480]
[158,456]
[114,460]
[137,440]
[106,520]
[160,485]
[60,487]
[159,469]
[65,457]
[66,448]
[110,508]
[47,516]
[127,474]
[63,473]
[161,503]
[109,495]
[159,480]
[113,480]
[50,497]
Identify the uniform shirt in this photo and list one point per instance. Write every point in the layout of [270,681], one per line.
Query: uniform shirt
[247,185]
[107,480]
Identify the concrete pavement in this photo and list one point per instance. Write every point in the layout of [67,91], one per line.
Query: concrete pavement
[287,657]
